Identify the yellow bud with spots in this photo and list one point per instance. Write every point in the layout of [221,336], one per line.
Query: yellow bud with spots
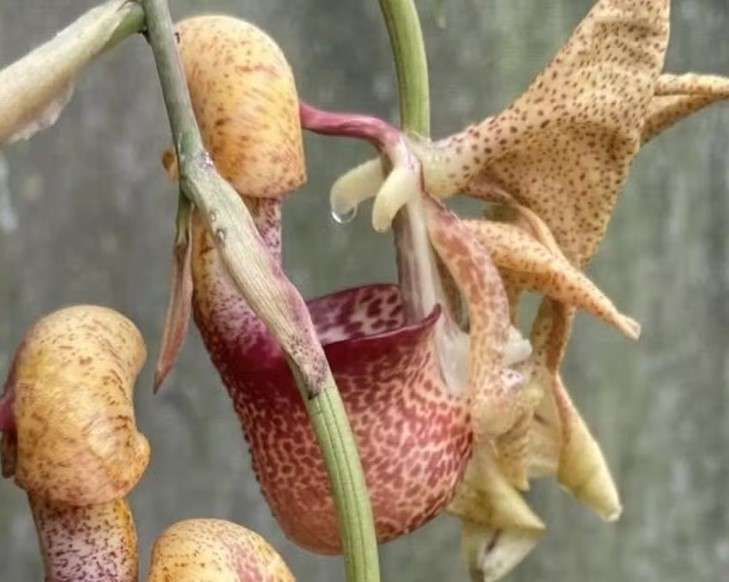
[216,551]
[75,435]
[245,101]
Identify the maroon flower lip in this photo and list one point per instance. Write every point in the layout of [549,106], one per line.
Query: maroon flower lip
[414,437]
[351,325]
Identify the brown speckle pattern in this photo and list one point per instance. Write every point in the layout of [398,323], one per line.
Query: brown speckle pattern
[414,438]
[213,550]
[73,377]
[96,543]
[246,104]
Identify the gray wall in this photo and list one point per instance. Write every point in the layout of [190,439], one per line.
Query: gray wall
[86,216]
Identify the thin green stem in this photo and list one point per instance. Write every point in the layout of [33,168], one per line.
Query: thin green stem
[272,297]
[411,64]
[419,280]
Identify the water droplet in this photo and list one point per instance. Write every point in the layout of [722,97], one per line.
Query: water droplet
[344,217]
[213,216]
[220,235]
[207,161]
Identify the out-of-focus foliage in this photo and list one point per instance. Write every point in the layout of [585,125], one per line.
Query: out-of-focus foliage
[86,215]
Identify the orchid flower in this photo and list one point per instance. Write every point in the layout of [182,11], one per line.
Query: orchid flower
[414,437]
[412,414]
[552,166]
[71,442]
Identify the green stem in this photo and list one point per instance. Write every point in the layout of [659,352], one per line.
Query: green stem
[408,48]
[272,297]
[419,280]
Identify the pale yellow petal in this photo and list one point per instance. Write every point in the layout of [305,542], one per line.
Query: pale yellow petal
[491,554]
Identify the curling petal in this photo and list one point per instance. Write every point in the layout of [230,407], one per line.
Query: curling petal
[532,266]
[401,186]
[357,185]
[77,440]
[678,96]
[490,554]
[469,263]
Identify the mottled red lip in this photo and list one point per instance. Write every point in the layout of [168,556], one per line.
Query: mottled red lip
[414,437]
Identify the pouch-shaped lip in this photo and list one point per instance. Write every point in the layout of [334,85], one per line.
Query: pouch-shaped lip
[356,345]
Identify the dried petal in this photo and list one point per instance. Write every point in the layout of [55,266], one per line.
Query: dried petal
[179,308]
[215,551]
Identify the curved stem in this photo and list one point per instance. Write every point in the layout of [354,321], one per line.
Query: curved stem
[419,280]
[259,278]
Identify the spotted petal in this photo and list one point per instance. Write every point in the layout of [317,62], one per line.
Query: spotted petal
[563,149]
[678,96]
[530,265]
[495,393]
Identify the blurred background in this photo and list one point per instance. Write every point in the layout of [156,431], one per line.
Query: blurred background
[86,215]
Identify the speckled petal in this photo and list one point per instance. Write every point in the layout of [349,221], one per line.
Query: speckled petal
[678,96]
[246,104]
[530,265]
[563,149]
[414,438]
[96,543]
[469,263]
[213,550]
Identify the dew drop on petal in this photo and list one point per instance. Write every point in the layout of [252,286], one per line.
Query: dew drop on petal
[344,217]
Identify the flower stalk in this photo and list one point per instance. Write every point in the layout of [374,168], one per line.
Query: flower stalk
[276,301]
[417,271]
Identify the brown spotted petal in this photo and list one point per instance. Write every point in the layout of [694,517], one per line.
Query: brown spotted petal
[213,550]
[414,437]
[495,392]
[678,96]
[73,376]
[530,265]
[245,102]
[94,543]
[563,149]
